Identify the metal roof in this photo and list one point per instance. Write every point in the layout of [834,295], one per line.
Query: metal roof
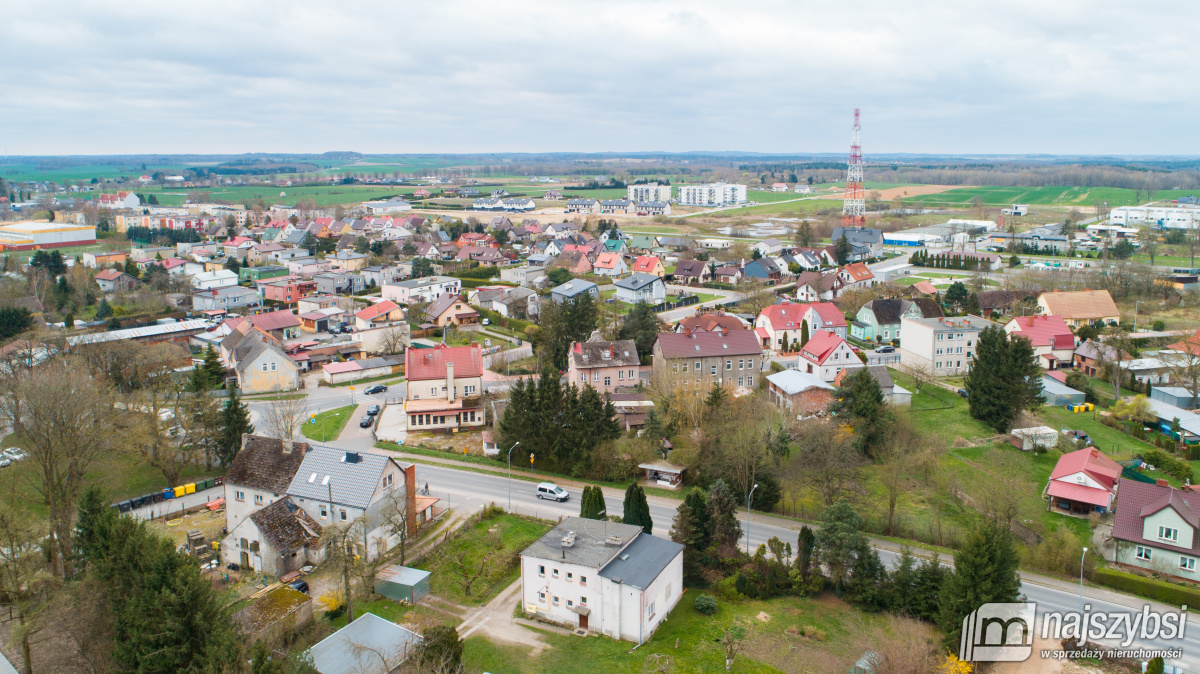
[362,647]
[134,333]
[642,561]
[589,548]
[346,478]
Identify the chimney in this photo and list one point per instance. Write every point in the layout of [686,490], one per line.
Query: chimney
[287,446]
[1161,482]
[245,439]
[450,381]
[410,495]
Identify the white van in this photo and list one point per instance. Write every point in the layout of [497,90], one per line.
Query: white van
[552,491]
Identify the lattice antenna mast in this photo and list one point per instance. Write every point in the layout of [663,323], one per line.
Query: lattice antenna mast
[854,208]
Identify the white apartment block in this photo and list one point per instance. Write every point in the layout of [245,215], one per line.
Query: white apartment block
[945,346]
[421,290]
[712,194]
[649,192]
[1165,217]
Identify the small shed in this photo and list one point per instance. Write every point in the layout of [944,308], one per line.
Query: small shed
[1057,394]
[275,614]
[1174,395]
[1035,436]
[369,645]
[402,583]
[665,473]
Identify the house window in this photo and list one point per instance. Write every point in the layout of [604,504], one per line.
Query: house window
[433,390]
[650,610]
[272,366]
[621,374]
[324,512]
[608,381]
[570,576]
[938,365]
[556,601]
[583,377]
[264,367]
[750,364]
[712,370]
[1187,564]
[541,596]
[1143,553]
[258,499]
[541,570]
[343,514]
[583,601]
[239,496]
[387,481]
[939,352]
[741,381]
[698,368]
[729,365]
[595,376]
[556,573]
[583,581]
[685,367]
[749,381]
[631,374]
[940,335]
[1168,534]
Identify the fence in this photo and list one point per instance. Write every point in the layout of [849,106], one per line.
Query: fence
[685,302]
[517,353]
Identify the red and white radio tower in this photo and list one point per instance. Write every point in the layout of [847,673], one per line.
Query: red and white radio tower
[854,208]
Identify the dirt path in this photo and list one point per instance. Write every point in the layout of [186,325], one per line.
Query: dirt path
[495,620]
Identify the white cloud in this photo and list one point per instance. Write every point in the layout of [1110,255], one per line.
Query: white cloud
[779,76]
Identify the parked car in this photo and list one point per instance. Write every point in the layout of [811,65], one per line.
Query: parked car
[962,392]
[300,585]
[552,491]
[5,463]
[378,388]
[885,349]
[372,410]
[486,321]
[366,422]
[15,453]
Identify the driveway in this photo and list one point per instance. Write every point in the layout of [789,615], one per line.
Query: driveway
[495,620]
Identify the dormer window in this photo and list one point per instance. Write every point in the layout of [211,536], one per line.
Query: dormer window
[1168,534]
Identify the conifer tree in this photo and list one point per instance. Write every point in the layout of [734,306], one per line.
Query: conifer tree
[637,510]
[235,420]
[803,334]
[985,571]
[723,525]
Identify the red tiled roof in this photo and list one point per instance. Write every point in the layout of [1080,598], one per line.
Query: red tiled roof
[645,263]
[925,287]
[604,260]
[706,344]
[275,320]
[858,271]
[784,316]
[1139,499]
[1091,461]
[711,322]
[820,346]
[1049,331]
[1080,492]
[426,364]
[377,310]
[109,275]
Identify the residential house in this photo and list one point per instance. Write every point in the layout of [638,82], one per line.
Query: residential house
[1052,340]
[893,394]
[642,242]
[576,262]
[422,289]
[369,645]
[307,267]
[618,206]
[521,303]
[800,392]
[519,204]
[525,276]
[813,286]
[943,346]
[287,290]
[1080,307]
[727,274]
[879,320]
[113,281]
[552,195]
[769,247]
[653,208]
[825,355]
[691,272]
[781,325]
[706,358]
[450,310]
[572,289]
[1001,302]
[609,264]
[226,299]
[603,365]
[1155,528]
[98,260]
[705,320]
[866,243]
[649,264]
[258,477]
[582,206]
[806,260]
[214,279]
[638,288]
[445,385]
[282,325]
[348,260]
[260,363]
[857,276]
[261,273]
[1092,358]
[382,313]
[609,578]
[379,275]
[763,270]
[337,282]
[339,486]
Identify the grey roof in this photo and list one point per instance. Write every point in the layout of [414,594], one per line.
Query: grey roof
[589,548]
[358,647]
[353,482]
[1055,387]
[636,281]
[642,561]
[574,287]
[599,353]
[954,323]
[887,312]
[863,236]
[795,381]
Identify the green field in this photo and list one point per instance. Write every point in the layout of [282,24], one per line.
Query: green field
[1048,196]
[328,425]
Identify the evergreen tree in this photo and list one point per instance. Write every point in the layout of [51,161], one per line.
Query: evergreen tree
[1004,379]
[956,296]
[235,420]
[901,587]
[931,577]
[717,398]
[637,510]
[985,571]
[69,320]
[655,431]
[865,587]
[696,505]
[213,366]
[131,268]
[839,542]
[803,334]
[231,263]
[421,268]
[1023,374]
[842,250]
[860,400]
[14,321]
[641,325]
[806,546]
[103,311]
[441,649]
[973,304]
[724,529]
[591,503]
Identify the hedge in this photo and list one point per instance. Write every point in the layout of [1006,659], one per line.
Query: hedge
[482,272]
[476,282]
[1148,588]
[1168,464]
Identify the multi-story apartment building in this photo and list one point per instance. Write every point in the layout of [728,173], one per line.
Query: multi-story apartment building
[445,387]
[603,365]
[712,194]
[422,289]
[732,358]
[944,346]
[649,192]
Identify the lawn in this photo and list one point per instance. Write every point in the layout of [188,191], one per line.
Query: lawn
[497,539]
[363,384]
[328,425]
[773,641]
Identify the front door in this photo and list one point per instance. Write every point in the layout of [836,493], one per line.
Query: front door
[245,560]
[583,622]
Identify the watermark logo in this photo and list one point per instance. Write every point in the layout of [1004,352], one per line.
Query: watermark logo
[998,633]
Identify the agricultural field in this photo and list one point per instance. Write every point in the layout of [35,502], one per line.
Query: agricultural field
[1002,196]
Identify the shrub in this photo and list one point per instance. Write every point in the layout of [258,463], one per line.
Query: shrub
[1168,464]
[726,589]
[1148,588]
[1159,326]
[706,604]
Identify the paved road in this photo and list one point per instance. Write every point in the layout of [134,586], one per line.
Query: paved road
[467,491]
[683,312]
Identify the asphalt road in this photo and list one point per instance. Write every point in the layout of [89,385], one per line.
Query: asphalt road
[468,490]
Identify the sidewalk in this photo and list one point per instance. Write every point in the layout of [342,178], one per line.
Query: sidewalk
[177,505]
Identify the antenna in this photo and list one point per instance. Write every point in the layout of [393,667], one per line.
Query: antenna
[854,208]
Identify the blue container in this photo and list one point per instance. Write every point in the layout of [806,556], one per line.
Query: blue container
[168,494]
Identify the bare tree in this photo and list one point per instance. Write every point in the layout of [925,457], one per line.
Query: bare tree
[395,516]
[65,417]
[920,373]
[25,582]
[732,638]
[462,566]
[1114,355]
[285,417]
[341,542]
[831,464]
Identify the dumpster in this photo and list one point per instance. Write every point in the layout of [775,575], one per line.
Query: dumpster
[179,491]
[189,488]
[168,494]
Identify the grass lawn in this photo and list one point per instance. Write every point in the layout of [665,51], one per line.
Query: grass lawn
[773,641]
[499,539]
[707,297]
[381,379]
[332,421]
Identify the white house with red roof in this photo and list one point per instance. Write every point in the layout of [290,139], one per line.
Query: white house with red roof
[445,385]
[1083,481]
[649,264]
[1052,340]
[609,264]
[379,314]
[780,324]
[857,275]
[118,201]
[825,355]
[828,317]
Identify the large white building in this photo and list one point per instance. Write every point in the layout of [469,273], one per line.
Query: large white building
[425,289]
[27,235]
[943,346]
[601,576]
[1164,217]
[649,192]
[712,194]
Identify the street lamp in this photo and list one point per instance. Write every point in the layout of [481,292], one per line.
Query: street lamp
[1135,305]
[748,497]
[313,417]
[510,449]
[1081,557]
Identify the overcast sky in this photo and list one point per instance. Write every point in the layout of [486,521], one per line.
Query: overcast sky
[1018,76]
